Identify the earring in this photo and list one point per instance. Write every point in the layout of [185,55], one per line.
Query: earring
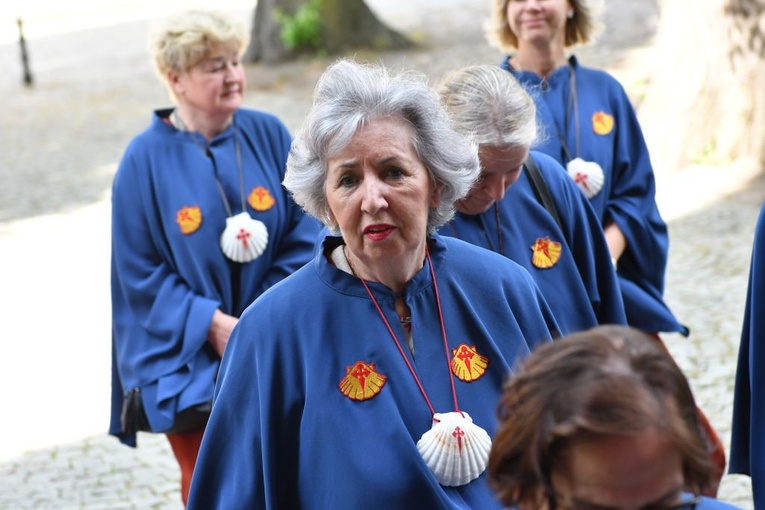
[571,14]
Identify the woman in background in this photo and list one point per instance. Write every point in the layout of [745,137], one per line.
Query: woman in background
[560,243]
[201,226]
[592,130]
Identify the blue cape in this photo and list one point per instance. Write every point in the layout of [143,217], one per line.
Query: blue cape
[581,286]
[165,283]
[283,434]
[747,450]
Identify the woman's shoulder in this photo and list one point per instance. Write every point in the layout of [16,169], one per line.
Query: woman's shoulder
[473,262]
[600,77]
[258,118]
[562,186]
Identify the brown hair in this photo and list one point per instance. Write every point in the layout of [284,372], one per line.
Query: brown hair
[607,381]
[581,29]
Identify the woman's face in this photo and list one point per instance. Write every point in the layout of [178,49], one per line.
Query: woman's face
[215,86]
[500,168]
[379,193]
[538,21]
[619,473]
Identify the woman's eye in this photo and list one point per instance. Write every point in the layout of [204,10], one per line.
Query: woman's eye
[347,181]
[395,173]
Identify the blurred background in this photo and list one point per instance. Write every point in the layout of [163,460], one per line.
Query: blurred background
[93,89]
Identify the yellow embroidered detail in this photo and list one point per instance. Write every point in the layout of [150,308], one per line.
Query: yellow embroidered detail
[189,218]
[362,381]
[545,253]
[467,364]
[260,199]
[602,122]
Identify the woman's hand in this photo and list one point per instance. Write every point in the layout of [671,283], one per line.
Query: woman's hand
[220,330]
[616,241]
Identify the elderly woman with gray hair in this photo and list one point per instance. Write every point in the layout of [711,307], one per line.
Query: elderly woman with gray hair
[370,376]
[524,206]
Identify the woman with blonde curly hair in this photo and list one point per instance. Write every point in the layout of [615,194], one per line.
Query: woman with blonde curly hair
[201,226]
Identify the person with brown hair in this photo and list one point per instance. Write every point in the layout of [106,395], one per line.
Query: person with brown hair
[603,418]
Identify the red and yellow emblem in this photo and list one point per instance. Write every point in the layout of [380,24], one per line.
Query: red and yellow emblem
[467,364]
[189,218]
[261,199]
[545,253]
[602,122]
[362,381]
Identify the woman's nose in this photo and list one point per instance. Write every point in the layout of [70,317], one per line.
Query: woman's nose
[233,71]
[495,187]
[373,199]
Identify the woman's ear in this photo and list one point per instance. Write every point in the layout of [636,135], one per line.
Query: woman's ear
[435,196]
[174,81]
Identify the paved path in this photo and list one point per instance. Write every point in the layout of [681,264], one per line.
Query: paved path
[58,150]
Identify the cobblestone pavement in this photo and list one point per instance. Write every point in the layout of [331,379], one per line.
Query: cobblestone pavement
[60,142]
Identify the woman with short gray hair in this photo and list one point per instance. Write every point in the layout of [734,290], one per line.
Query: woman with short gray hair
[384,357]
[344,103]
[559,241]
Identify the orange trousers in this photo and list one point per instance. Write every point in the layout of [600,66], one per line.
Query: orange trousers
[717,450]
[186,449]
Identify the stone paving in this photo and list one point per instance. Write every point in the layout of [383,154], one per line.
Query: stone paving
[60,142]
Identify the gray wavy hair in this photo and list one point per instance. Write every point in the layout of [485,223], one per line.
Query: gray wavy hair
[488,104]
[350,95]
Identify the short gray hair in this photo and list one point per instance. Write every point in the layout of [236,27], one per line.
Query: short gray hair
[488,104]
[350,95]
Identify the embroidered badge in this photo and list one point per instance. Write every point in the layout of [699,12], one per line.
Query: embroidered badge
[545,253]
[467,364]
[260,199]
[189,218]
[362,381]
[602,123]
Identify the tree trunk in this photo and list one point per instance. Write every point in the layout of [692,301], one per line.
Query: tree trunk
[265,40]
[350,24]
[706,100]
[347,25]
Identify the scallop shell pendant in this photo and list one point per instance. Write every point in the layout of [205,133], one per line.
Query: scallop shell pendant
[455,449]
[588,175]
[244,238]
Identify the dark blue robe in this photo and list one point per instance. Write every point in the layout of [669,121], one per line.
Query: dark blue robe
[747,450]
[284,435]
[581,287]
[166,284]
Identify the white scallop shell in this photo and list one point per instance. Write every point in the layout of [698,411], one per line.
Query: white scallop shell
[588,175]
[455,449]
[244,238]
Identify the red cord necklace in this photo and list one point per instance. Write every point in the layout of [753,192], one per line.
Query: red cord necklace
[455,449]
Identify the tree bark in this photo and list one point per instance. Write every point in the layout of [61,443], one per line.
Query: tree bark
[265,40]
[348,24]
[706,99]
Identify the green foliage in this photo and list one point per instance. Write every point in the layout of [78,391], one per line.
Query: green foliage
[303,29]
